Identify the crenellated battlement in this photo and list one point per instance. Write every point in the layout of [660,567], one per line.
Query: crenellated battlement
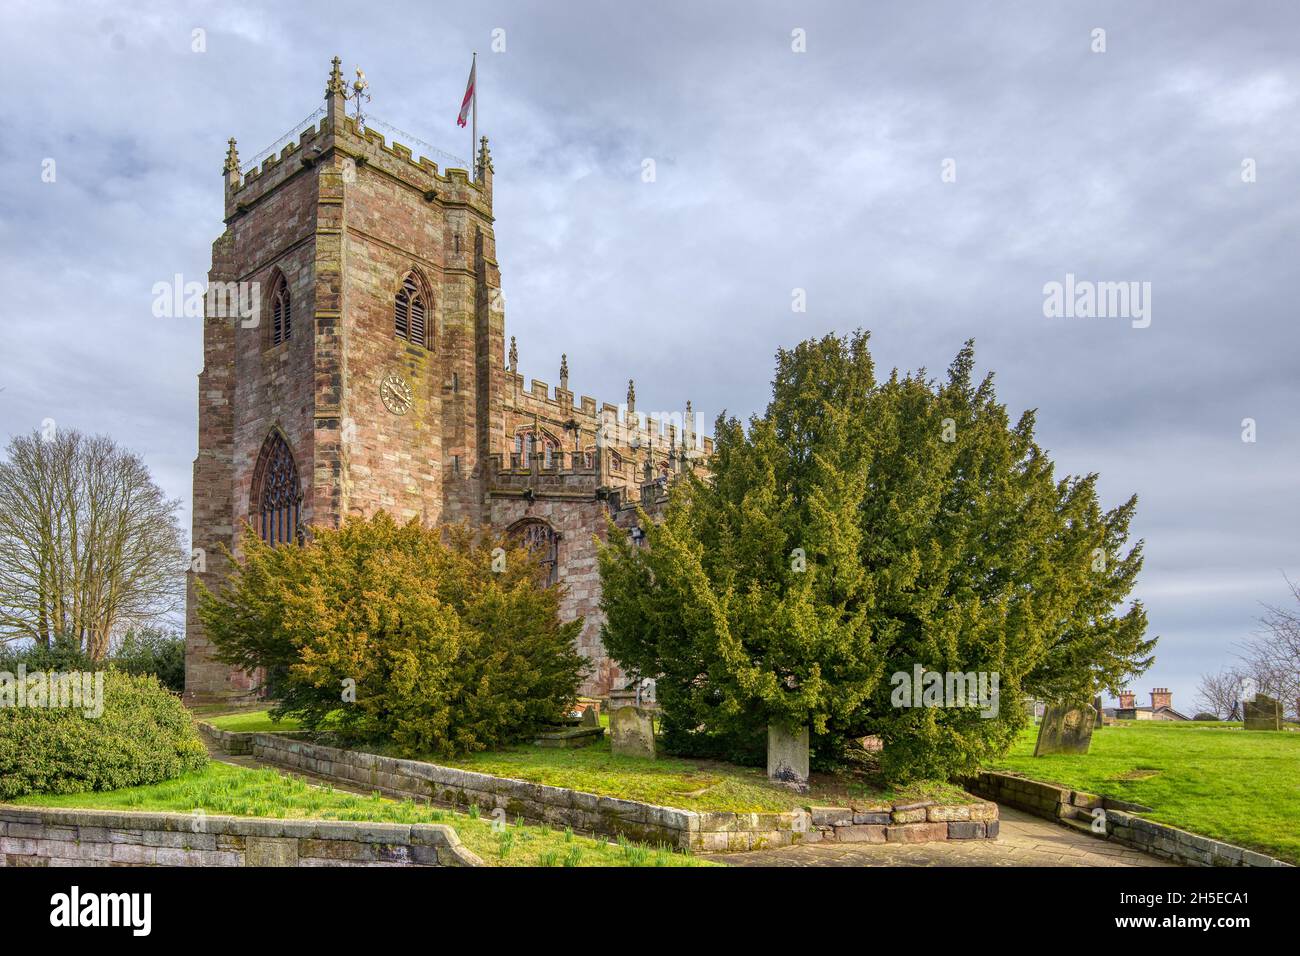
[317,134]
[572,478]
[622,424]
[438,175]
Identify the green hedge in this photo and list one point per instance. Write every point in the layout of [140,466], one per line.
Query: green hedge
[144,735]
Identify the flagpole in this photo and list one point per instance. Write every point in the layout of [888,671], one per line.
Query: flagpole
[473,141]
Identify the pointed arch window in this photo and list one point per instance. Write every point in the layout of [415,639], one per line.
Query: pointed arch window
[527,445]
[281,311]
[541,539]
[277,495]
[411,312]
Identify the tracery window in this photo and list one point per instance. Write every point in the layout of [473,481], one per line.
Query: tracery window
[539,538]
[410,313]
[277,496]
[527,444]
[281,311]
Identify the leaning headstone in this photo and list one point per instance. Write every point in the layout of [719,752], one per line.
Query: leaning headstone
[1066,729]
[1263,713]
[787,756]
[591,716]
[632,732]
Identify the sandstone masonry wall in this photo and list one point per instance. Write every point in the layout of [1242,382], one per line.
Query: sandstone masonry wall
[610,816]
[45,836]
[1121,825]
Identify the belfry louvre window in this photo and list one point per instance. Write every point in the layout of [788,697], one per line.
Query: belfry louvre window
[281,312]
[410,316]
[277,497]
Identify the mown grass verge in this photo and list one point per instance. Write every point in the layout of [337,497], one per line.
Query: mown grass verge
[224,789]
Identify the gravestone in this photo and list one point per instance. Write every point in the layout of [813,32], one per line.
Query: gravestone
[1066,729]
[632,732]
[591,716]
[622,697]
[1263,713]
[787,757]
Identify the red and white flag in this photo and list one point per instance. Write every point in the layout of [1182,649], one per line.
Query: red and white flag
[469,96]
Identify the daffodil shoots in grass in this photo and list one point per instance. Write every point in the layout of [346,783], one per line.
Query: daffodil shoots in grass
[855,530]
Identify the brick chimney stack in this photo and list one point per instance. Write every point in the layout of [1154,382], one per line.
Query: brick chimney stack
[1126,700]
[1161,697]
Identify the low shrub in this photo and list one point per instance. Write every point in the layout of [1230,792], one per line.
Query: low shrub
[143,735]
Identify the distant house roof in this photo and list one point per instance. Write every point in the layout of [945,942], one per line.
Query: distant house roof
[1169,712]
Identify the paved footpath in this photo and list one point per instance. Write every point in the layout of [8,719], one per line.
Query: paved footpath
[1023,840]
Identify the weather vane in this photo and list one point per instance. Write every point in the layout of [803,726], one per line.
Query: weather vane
[359,93]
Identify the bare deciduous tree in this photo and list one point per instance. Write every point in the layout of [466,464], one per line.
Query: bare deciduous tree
[89,544]
[1221,692]
[1269,664]
[1272,655]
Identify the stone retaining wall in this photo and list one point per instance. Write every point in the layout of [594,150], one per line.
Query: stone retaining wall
[48,836]
[1122,823]
[716,832]
[922,822]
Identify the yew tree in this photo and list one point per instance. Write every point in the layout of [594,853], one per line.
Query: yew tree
[433,640]
[857,529]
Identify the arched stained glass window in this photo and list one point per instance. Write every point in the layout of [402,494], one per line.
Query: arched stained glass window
[539,538]
[277,497]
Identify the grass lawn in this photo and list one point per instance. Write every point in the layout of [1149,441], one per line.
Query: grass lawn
[250,721]
[686,784]
[1211,778]
[223,789]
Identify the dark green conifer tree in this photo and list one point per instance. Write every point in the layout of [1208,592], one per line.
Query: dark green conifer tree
[855,530]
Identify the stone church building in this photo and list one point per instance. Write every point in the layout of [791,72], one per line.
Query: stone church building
[377,375]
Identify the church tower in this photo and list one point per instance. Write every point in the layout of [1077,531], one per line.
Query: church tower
[363,380]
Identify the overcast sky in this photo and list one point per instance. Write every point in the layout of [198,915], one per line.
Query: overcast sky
[775,170]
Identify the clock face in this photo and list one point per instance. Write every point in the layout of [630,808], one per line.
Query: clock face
[396,393]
